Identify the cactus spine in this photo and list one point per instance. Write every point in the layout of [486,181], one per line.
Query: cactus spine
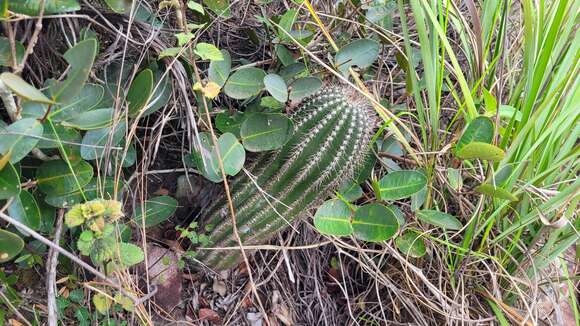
[332,129]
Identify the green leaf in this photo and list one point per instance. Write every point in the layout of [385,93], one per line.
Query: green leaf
[80,59]
[219,71]
[361,53]
[56,178]
[88,98]
[208,51]
[304,87]
[184,38]
[219,7]
[229,123]
[130,254]
[140,92]
[203,158]
[284,55]
[102,303]
[10,245]
[32,7]
[479,130]
[411,244]
[96,188]
[333,218]
[350,191]
[455,179]
[271,103]
[6,52]
[401,184]
[155,210]
[162,91]
[245,83]
[294,70]
[286,22]
[20,138]
[23,89]
[490,101]
[169,52]
[9,182]
[482,151]
[195,7]
[276,86]
[119,6]
[232,154]
[374,222]
[95,119]
[96,142]
[508,112]
[495,192]
[440,219]
[265,131]
[25,209]
[65,136]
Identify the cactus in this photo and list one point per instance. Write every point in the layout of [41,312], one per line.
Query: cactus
[332,130]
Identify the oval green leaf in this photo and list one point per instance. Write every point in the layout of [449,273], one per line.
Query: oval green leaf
[219,71]
[361,53]
[24,89]
[25,209]
[265,131]
[96,188]
[20,138]
[80,59]
[276,86]
[374,222]
[350,191]
[411,244]
[9,182]
[304,87]
[10,245]
[245,83]
[495,192]
[482,151]
[56,178]
[155,210]
[91,120]
[479,130]
[401,184]
[333,218]
[140,92]
[440,219]
[32,7]
[232,154]
[225,122]
[96,142]
[130,254]
[88,98]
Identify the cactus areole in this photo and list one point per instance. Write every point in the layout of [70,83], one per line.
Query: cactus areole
[332,131]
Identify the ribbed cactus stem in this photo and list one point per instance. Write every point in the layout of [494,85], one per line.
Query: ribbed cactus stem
[332,129]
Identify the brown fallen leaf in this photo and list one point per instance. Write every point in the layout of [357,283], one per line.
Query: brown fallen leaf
[209,315]
[165,274]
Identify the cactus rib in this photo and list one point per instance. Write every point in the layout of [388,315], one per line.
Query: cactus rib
[332,129]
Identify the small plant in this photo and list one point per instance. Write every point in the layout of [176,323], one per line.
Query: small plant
[99,240]
[331,132]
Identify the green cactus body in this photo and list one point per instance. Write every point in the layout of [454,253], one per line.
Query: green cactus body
[332,129]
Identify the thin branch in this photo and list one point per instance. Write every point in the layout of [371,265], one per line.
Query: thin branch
[72,257]
[51,263]
[33,39]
